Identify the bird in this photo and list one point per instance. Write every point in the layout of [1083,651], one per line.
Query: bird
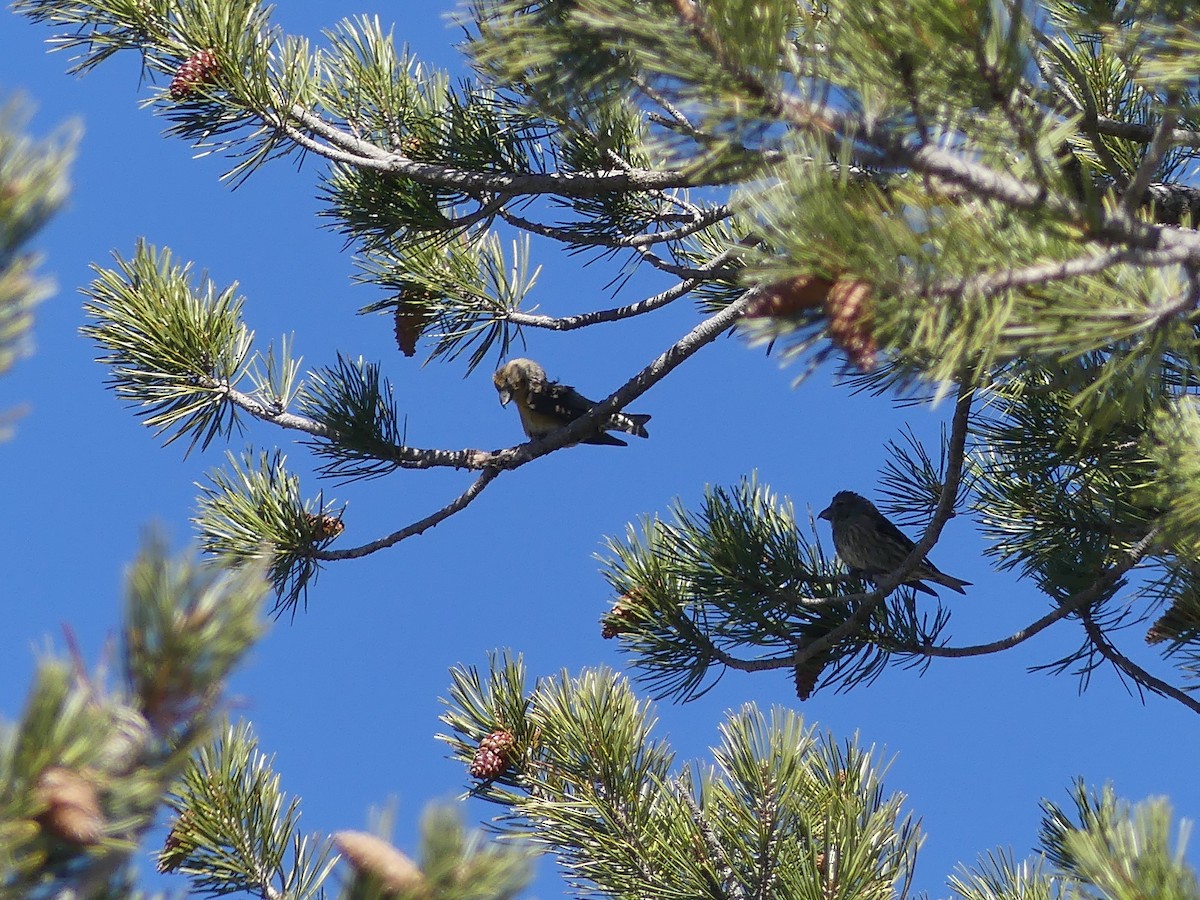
[869,544]
[546,406]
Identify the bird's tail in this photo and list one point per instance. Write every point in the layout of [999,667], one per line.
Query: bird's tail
[631,423]
[955,584]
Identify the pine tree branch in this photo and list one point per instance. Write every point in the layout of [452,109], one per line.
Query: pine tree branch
[345,148]
[1126,665]
[1056,270]
[514,457]
[696,222]
[569,323]
[266,411]
[1076,602]
[567,236]
[458,504]
[716,851]
[978,180]
[1135,131]
[1159,144]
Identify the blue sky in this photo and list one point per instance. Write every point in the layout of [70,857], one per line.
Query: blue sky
[346,695]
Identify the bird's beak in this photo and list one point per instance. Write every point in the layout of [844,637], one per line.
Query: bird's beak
[825,513]
[505,396]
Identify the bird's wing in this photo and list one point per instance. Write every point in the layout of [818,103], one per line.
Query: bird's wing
[884,524]
[560,401]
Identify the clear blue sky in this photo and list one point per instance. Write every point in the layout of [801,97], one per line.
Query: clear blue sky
[346,695]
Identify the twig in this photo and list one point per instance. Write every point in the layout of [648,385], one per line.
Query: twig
[1159,144]
[456,505]
[707,217]
[716,851]
[569,323]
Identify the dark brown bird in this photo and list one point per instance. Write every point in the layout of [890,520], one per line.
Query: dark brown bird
[870,545]
[546,406]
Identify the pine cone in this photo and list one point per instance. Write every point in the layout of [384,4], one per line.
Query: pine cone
[790,296]
[848,309]
[199,68]
[325,526]
[411,319]
[618,619]
[806,677]
[371,855]
[72,808]
[175,849]
[492,757]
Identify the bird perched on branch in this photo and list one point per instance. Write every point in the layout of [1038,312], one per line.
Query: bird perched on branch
[869,544]
[546,406]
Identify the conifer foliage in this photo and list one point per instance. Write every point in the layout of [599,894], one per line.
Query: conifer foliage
[985,201]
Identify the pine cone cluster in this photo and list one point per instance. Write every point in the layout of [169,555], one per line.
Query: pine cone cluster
[789,297]
[73,811]
[492,757]
[846,303]
[199,68]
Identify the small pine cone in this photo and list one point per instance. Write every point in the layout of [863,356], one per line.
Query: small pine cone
[411,145]
[618,619]
[848,309]
[72,808]
[789,297]
[371,855]
[175,849]
[492,757]
[411,319]
[806,676]
[199,68]
[325,526]
[1178,623]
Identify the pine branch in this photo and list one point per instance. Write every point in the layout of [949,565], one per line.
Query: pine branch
[696,222]
[990,283]
[1072,605]
[345,148]
[582,320]
[1127,666]
[456,505]
[1159,143]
